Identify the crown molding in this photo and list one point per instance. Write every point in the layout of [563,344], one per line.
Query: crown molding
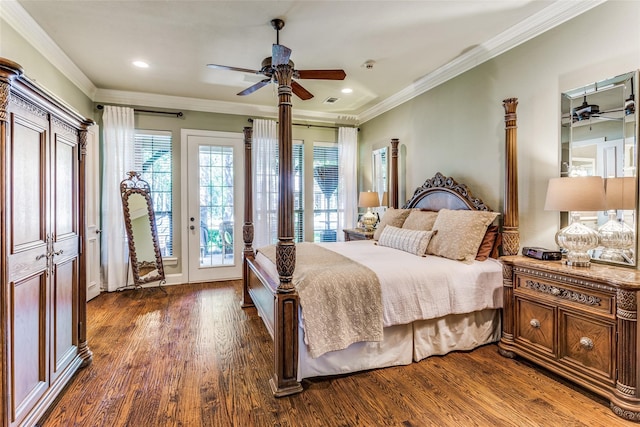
[141,99]
[548,18]
[14,14]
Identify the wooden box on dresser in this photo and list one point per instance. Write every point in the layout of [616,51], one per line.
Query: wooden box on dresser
[43,295]
[579,322]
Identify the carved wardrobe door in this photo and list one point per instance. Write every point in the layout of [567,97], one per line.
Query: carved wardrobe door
[43,310]
[27,257]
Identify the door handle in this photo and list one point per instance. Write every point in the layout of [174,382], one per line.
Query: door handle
[192,227]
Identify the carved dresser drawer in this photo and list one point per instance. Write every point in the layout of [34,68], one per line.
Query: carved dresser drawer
[580,323]
[566,320]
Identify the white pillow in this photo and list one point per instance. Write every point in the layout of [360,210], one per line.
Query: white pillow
[412,241]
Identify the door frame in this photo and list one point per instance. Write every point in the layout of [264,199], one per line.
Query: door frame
[183,224]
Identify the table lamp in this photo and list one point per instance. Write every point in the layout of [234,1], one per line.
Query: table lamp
[575,195]
[616,237]
[369,199]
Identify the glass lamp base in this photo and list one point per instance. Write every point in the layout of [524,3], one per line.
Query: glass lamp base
[617,239]
[369,220]
[577,239]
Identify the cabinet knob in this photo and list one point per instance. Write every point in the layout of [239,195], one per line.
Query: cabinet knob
[586,343]
[192,227]
[535,323]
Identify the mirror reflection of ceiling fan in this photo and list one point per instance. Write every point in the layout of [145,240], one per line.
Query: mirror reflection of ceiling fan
[587,111]
[280,55]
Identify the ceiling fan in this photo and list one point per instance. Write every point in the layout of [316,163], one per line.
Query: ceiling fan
[280,55]
[587,111]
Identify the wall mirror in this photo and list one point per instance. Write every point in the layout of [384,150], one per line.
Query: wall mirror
[379,173]
[599,133]
[139,218]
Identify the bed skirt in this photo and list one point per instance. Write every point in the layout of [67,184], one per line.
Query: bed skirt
[404,344]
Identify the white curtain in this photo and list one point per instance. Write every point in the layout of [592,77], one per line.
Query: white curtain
[119,133]
[265,182]
[347,179]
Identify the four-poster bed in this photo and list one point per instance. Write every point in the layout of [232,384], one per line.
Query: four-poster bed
[270,285]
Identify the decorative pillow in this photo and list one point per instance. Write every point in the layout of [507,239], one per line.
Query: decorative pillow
[488,243]
[460,233]
[420,220]
[412,241]
[393,217]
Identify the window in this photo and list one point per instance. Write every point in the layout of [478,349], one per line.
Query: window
[325,192]
[152,159]
[298,191]
[298,194]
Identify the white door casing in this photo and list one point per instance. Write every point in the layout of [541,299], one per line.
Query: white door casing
[200,265]
[92,209]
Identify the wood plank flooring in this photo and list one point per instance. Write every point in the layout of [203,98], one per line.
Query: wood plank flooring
[195,358]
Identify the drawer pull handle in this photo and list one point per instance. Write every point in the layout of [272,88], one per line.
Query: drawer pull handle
[586,343]
[535,323]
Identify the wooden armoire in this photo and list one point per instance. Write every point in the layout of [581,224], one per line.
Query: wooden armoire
[43,268]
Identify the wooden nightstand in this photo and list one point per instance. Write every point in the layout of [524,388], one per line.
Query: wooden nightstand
[580,323]
[357,234]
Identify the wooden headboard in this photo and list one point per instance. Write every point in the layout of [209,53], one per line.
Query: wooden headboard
[441,192]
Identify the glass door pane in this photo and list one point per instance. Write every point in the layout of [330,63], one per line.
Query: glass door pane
[216,205]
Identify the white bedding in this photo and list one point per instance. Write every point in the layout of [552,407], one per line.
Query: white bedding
[416,288]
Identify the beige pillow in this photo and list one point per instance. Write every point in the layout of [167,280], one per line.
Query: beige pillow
[412,241]
[393,217]
[460,233]
[420,220]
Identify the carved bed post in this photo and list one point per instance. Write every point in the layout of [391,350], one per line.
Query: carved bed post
[247,227]
[284,381]
[510,232]
[510,228]
[393,196]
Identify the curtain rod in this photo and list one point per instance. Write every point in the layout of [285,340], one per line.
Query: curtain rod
[250,120]
[136,110]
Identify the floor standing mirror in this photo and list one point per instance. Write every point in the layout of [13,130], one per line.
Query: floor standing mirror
[139,218]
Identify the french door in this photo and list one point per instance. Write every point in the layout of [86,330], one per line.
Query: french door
[215,205]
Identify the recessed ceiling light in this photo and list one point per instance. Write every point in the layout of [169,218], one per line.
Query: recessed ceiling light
[140,64]
[347,90]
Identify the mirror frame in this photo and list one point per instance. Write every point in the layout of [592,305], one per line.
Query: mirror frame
[569,115]
[377,169]
[131,186]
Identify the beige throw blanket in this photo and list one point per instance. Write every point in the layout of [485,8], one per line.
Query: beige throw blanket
[340,299]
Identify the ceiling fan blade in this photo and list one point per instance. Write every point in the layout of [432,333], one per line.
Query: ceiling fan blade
[322,74]
[255,87]
[301,92]
[280,55]
[225,67]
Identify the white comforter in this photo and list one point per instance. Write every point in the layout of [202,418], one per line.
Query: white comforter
[415,288]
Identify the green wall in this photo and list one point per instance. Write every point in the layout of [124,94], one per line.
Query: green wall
[39,69]
[457,128]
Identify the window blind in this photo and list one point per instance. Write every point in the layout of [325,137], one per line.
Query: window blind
[153,160]
[325,192]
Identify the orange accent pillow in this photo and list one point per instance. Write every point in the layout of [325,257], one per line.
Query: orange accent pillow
[488,244]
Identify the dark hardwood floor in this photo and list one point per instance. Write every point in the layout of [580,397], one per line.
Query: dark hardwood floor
[195,358]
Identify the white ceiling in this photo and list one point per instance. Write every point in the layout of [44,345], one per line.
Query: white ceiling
[415,46]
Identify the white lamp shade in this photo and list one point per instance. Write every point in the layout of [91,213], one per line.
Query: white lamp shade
[368,199]
[621,193]
[585,193]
